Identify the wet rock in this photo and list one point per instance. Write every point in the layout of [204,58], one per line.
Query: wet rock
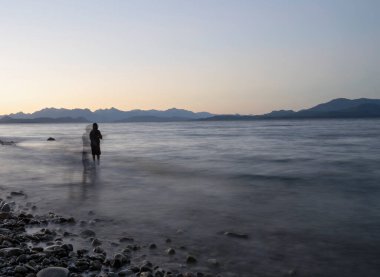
[82,265]
[96,242]
[126,272]
[20,269]
[170,251]
[152,246]
[11,251]
[126,239]
[119,260]
[51,139]
[236,235]
[87,234]
[99,250]
[22,259]
[53,272]
[191,259]
[95,265]
[6,208]
[17,193]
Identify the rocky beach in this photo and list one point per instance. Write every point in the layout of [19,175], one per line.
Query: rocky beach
[33,244]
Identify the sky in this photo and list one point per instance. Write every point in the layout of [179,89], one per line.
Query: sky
[236,56]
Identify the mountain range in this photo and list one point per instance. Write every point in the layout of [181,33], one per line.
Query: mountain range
[103,115]
[337,108]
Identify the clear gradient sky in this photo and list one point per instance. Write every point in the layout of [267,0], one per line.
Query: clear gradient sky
[219,56]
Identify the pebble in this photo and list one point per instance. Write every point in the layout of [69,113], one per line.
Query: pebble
[53,272]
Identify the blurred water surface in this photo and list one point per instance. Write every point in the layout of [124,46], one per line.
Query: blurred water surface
[305,191]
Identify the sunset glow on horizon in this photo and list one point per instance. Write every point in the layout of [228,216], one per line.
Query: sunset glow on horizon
[247,57]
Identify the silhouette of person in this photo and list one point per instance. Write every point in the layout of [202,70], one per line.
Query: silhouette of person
[95,137]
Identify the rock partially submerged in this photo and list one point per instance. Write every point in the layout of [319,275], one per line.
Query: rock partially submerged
[236,235]
[51,139]
[3,142]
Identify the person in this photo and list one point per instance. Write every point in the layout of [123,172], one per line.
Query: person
[95,137]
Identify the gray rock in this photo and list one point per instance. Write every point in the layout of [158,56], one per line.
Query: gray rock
[170,251]
[126,239]
[87,234]
[236,235]
[126,272]
[20,269]
[53,272]
[119,260]
[11,251]
[17,193]
[191,259]
[96,242]
[6,208]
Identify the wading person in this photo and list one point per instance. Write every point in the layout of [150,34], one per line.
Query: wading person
[95,137]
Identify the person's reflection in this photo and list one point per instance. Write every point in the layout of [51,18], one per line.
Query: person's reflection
[89,171]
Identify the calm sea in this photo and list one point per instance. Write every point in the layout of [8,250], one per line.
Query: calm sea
[306,192]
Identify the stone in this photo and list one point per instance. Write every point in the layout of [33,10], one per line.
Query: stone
[170,251]
[53,272]
[6,208]
[126,239]
[87,234]
[126,272]
[11,251]
[17,193]
[119,260]
[20,269]
[152,246]
[236,235]
[96,242]
[191,259]
[95,265]
[51,139]
[98,249]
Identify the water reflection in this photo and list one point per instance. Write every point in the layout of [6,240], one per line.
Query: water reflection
[89,175]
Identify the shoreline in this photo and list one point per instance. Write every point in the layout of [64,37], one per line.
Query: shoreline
[33,244]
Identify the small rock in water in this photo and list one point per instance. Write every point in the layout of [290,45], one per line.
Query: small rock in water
[50,139]
[87,234]
[17,193]
[96,242]
[152,246]
[170,251]
[236,235]
[53,272]
[126,239]
[191,260]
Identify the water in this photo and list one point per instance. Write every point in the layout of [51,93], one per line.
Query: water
[305,191]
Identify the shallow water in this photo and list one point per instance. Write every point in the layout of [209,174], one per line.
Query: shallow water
[305,191]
